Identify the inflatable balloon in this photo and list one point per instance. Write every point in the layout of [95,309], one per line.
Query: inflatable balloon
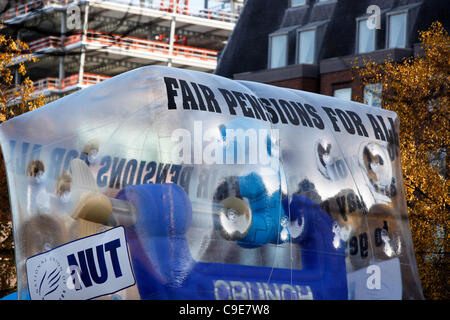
[162,183]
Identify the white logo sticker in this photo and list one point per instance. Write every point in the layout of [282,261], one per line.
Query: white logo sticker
[82,269]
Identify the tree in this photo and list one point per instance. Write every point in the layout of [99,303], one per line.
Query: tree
[15,99]
[417,89]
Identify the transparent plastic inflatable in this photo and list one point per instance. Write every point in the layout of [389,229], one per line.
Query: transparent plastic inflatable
[163,183]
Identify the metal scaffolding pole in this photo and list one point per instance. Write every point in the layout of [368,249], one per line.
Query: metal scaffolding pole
[83,41]
[16,71]
[171,40]
[61,72]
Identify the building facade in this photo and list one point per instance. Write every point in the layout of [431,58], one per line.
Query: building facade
[312,45]
[82,42]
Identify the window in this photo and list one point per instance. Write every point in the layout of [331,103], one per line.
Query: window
[278,51]
[325,1]
[372,94]
[366,37]
[397,30]
[306,46]
[295,3]
[345,93]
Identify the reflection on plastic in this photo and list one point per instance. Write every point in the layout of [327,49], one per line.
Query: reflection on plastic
[314,210]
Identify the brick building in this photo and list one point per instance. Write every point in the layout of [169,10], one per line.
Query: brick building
[310,44]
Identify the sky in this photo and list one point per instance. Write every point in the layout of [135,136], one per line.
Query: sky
[195,5]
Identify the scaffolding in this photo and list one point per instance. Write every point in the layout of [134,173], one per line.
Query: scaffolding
[82,42]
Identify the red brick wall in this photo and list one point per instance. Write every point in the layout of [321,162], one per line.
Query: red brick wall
[326,85]
[338,80]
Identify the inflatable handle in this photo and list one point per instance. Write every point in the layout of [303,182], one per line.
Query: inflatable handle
[158,246]
[267,212]
[322,252]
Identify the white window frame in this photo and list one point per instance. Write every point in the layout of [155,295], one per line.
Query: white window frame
[292,5]
[319,2]
[346,88]
[388,27]
[369,97]
[375,36]
[271,36]
[298,45]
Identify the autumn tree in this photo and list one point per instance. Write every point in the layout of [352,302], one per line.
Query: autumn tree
[16,97]
[417,89]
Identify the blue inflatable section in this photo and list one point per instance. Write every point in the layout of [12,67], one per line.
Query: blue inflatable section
[164,268]
[12,296]
[267,212]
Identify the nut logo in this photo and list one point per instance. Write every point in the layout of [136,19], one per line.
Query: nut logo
[49,280]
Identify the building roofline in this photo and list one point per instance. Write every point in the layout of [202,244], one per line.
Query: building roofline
[379,56]
[279,74]
[336,64]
